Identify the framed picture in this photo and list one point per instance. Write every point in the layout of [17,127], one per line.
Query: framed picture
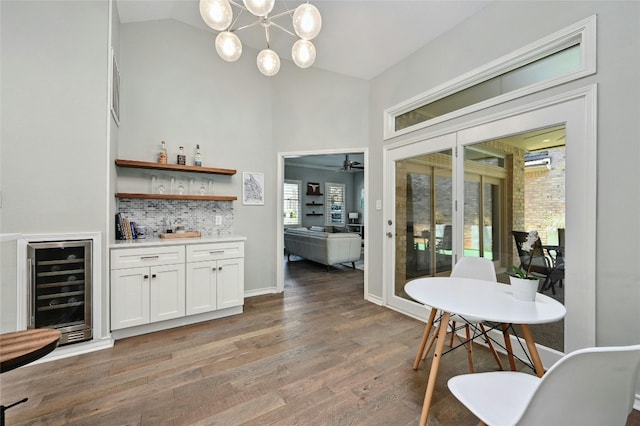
[253,189]
[313,188]
[115,89]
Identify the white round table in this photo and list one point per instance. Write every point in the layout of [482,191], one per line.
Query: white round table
[484,300]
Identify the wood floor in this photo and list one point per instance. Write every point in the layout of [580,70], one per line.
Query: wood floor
[316,355]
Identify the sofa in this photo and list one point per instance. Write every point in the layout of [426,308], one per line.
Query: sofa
[323,247]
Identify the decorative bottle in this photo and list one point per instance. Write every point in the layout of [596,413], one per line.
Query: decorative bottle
[197,159]
[182,159]
[162,155]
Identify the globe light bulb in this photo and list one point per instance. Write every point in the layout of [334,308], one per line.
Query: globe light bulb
[259,7]
[228,46]
[303,53]
[268,62]
[216,13]
[307,21]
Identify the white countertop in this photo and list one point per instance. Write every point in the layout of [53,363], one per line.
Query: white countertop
[151,242]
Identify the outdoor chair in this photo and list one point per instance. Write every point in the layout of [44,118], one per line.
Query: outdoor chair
[557,273]
[534,261]
[593,386]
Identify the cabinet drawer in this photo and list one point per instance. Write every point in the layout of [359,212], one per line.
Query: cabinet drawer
[214,251]
[146,256]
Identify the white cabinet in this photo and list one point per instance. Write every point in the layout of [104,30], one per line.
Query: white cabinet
[215,276]
[147,285]
[175,284]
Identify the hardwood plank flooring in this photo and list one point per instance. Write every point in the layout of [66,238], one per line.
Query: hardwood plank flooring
[319,354]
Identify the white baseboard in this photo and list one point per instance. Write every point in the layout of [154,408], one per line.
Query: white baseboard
[374,299]
[261,292]
[74,349]
[636,402]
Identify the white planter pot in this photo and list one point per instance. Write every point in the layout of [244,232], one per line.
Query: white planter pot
[524,289]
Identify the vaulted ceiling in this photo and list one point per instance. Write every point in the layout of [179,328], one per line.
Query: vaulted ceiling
[358,38]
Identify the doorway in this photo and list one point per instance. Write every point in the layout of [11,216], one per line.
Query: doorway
[317,174]
[480,198]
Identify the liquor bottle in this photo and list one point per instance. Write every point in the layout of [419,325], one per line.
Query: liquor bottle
[162,155]
[182,159]
[197,160]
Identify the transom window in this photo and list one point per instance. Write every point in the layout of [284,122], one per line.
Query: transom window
[564,56]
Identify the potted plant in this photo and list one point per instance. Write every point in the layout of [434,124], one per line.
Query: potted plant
[524,285]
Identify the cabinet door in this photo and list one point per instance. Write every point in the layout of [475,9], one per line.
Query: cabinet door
[230,283]
[167,292]
[129,297]
[201,287]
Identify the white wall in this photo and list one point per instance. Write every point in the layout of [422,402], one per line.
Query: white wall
[310,174]
[53,122]
[498,29]
[176,88]
[314,110]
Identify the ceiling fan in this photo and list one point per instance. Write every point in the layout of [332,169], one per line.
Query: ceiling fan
[348,165]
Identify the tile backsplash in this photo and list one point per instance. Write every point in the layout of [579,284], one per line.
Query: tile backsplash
[195,215]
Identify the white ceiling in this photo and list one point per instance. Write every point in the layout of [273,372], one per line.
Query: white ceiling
[359,38]
[333,162]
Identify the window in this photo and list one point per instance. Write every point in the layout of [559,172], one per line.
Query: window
[291,199]
[553,66]
[334,203]
[564,56]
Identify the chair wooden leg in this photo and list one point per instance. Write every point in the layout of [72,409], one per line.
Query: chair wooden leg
[427,332]
[507,344]
[533,351]
[453,332]
[493,350]
[469,348]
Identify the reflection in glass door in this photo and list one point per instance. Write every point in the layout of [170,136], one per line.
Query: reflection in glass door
[517,184]
[483,207]
[423,217]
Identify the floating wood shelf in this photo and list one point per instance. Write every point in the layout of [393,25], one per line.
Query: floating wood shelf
[176,197]
[174,167]
[315,204]
[314,214]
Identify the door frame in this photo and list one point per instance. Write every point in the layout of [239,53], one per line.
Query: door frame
[576,109]
[279,209]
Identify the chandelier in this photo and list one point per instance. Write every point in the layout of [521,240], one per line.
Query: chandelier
[306,22]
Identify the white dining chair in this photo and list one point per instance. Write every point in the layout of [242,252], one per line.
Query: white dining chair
[593,386]
[479,268]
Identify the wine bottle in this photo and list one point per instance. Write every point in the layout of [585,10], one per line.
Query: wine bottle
[197,160]
[162,155]
[182,159]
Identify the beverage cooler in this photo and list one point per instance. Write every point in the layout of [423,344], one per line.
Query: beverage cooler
[59,288]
